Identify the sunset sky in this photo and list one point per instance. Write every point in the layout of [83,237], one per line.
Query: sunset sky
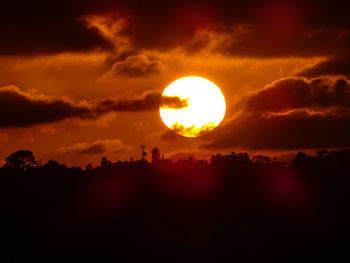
[83,79]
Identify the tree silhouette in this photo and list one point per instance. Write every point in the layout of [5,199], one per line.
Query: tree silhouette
[88,167]
[53,165]
[21,159]
[105,162]
[321,154]
[261,159]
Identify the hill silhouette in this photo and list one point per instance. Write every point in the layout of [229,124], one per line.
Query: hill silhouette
[233,208]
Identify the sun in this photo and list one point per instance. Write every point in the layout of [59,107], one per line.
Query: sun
[195,106]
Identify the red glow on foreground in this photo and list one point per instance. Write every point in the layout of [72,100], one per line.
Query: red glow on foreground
[287,188]
[105,195]
[188,182]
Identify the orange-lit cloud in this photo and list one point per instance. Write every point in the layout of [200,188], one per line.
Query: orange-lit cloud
[136,66]
[290,113]
[111,28]
[94,148]
[296,130]
[339,65]
[277,29]
[294,92]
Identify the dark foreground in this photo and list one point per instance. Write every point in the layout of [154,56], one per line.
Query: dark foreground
[234,209]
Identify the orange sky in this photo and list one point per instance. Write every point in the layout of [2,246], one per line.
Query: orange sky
[131,68]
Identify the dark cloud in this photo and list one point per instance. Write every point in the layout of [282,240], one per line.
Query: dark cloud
[248,28]
[41,27]
[145,102]
[276,28]
[294,92]
[332,66]
[24,109]
[21,109]
[295,130]
[136,66]
[94,148]
[173,102]
[290,113]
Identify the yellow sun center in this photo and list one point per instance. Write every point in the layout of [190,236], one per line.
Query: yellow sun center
[195,106]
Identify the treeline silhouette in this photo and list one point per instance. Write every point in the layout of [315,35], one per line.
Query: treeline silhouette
[232,208]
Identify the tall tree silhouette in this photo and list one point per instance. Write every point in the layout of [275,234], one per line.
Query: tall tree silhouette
[21,159]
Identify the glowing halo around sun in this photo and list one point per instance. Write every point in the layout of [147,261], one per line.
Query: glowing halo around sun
[201,106]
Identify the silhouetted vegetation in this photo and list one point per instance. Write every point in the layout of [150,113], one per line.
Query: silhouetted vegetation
[232,208]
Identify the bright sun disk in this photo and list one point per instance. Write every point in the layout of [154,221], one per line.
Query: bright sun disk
[204,111]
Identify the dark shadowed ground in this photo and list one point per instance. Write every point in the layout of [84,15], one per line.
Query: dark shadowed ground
[236,208]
